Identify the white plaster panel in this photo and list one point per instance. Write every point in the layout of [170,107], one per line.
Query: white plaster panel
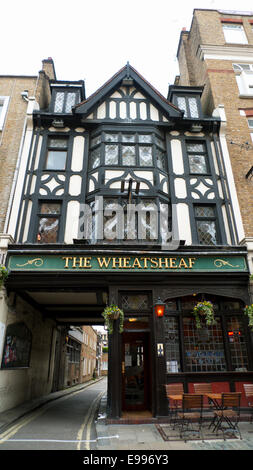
[75,184]
[77,154]
[72,221]
[177,157]
[112,110]
[133,112]
[101,111]
[184,225]
[154,115]
[180,188]
[122,110]
[143,111]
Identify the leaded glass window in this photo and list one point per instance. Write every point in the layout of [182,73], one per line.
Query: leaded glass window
[172,352]
[146,156]
[197,157]
[137,302]
[204,347]
[65,100]
[237,344]
[206,225]
[49,218]
[188,104]
[111,154]
[127,149]
[128,155]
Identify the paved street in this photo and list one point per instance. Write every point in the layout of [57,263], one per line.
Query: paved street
[63,424]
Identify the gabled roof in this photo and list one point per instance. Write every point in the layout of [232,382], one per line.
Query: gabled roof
[125,74]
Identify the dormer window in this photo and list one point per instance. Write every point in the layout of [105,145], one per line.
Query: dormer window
[189,105]
[64,100]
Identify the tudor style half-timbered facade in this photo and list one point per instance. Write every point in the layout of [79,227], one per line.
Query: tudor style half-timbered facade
[125,198]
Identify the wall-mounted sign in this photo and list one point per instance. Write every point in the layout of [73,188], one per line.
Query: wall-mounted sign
[125,263]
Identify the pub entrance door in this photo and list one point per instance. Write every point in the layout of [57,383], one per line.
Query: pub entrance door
[136,374]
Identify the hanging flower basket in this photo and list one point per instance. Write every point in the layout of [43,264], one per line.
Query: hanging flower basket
[112,313]
[206,310]
[248,310]
[3,274]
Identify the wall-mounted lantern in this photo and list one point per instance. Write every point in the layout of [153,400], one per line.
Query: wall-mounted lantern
[159,308]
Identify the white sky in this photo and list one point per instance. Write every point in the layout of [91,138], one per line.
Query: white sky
[93,39]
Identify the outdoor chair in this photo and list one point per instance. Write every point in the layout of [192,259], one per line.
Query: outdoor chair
[228,414]
[174,403]
[248,388]
[190,420]
[202,388]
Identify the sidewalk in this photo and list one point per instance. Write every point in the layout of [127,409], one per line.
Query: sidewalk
[141,437]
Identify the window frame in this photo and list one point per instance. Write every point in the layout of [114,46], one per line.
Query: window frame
[226,27]
[41,215]
[209,218]
[244,78]
[204,154]
[187,110]
[51,148]
[154,145]
[225,313]
[65,92]
[4,101]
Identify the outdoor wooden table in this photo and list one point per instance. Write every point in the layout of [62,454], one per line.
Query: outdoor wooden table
[214,398]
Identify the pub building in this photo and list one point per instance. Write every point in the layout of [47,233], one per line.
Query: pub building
[127,145]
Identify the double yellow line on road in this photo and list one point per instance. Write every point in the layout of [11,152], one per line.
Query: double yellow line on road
[5,436]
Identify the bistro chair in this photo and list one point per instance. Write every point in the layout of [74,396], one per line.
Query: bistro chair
[228,413]
[203,388]
[174,403]
[192,411]
[248,388]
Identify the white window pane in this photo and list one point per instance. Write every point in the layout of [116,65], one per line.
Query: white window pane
[234,34]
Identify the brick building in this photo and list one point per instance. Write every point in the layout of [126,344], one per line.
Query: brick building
[89,353]
[217,54]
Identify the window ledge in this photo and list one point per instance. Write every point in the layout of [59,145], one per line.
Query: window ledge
[247,96]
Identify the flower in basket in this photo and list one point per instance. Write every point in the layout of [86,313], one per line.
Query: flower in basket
[3,274]
[206,309]
[111,313]
[248,310]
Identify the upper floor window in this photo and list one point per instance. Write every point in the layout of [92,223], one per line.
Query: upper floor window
[234,33]
[244,78]
[4,101]
[65,100]
[197,157]
[56,153]
[250,124]
[206,224]
[189,105]
[49,220]
[127,149]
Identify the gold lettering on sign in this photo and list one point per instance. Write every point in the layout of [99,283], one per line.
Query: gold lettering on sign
[104,262]
[67,258]
[115,262]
